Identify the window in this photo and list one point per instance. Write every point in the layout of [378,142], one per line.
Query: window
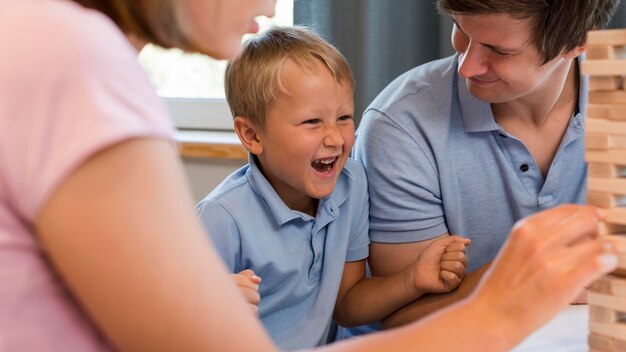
[192,84]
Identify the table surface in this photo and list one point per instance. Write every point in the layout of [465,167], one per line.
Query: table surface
[567,332]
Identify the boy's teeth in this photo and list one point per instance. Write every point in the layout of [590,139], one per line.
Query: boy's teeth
[324,164]
[326,161]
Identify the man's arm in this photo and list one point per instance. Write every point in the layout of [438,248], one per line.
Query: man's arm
[440,268]
[388,259]
[433,302]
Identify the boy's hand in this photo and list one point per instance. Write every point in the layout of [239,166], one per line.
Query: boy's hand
[248,283]
[441,266]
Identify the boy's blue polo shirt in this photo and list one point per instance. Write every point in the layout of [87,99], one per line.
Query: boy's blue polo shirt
[437,162]
[299,258]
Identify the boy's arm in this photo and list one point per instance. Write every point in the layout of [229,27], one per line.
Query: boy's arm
[387,259]
[361,301]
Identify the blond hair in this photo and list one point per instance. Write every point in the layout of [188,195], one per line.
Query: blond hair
[252,80]
[156,21]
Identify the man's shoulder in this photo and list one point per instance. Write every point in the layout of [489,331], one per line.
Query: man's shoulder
[419,85]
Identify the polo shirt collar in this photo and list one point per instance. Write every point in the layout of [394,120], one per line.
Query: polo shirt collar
[281,212]
[477,115]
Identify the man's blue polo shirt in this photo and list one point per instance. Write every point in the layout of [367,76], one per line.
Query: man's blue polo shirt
[300,258]
[437,161]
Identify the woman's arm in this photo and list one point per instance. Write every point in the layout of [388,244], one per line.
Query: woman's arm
[121,233]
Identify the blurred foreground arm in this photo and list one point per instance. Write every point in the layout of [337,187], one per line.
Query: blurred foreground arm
[122,234]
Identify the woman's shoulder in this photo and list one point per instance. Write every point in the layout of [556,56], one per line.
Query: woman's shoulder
[59,35]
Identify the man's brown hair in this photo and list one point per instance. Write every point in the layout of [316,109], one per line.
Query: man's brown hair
[558,25]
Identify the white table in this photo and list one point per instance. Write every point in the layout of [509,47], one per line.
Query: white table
[567,332]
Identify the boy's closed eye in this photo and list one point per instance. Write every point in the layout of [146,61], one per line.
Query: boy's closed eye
[345,118]
[311,122]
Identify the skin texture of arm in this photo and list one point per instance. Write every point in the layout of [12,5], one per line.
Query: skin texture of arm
[121,233]
[440,268]
[433,302]
[403,255]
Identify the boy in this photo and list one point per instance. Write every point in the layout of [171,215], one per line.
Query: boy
[495,133]
[297,214]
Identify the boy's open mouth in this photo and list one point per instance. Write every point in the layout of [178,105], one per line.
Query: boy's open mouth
[324,165]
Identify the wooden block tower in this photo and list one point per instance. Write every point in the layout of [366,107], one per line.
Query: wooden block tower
[605,142]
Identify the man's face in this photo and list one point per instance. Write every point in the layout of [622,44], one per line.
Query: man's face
[499,61]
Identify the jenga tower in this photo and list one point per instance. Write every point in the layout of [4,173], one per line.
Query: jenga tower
[605,141]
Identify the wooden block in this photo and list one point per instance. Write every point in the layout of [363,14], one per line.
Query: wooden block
[606,170]
[605,200]
[620,345]
[600,342]
[609,96]
[616,216]
[605,126]
[605,83]
[607,37]
[609,284]
[600,52]
[604,300]
[604,315]
[607,185]
[604,141]
[597,141]
[614,330]
[615,156]
[611,67]
[611,229]
[606,111]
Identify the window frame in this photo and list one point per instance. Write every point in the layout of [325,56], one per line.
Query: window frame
[200,113]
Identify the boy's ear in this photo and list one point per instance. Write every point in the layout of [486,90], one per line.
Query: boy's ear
[574,53]
[248,134]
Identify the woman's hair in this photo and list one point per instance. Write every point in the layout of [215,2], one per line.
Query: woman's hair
[156,21]
[558,25]
[252,80]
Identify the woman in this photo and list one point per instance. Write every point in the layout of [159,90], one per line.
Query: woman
[99,246]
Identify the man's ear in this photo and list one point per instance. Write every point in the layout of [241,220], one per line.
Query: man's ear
[248,134]
[574,53]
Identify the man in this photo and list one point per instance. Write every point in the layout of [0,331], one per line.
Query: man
[470,144]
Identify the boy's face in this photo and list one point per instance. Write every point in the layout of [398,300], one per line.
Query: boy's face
[308,135]
[499,61]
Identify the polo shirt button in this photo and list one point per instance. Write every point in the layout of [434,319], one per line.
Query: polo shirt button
[524,167]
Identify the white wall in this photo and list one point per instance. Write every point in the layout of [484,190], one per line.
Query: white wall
[205,174]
